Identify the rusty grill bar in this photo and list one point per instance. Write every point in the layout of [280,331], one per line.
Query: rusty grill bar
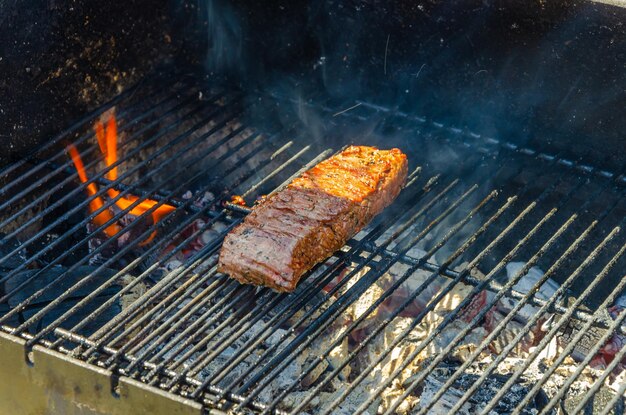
[193,332]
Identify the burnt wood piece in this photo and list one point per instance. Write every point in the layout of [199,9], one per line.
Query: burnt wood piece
[314,216]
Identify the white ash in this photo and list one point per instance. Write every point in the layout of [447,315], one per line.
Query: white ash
[206,237]
[616,382]
[399,353]
[524,286]
[213,233]
[139,288]
[536,373]
[187,195]
[477,402]
[446,402]
[173,265]
[285,378]
[460,352]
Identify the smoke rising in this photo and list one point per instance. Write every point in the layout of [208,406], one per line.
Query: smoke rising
[224,36]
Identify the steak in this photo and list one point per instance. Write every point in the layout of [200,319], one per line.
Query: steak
[312,217]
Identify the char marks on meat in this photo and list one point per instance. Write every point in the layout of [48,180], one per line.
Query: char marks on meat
[312,217]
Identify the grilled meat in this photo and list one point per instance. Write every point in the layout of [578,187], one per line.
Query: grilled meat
[312,217]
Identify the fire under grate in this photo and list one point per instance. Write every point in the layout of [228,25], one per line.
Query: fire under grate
[493,283]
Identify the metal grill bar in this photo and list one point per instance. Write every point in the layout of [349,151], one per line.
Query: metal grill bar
[133,117]
[181,227]
[285,316]
[63,135]
[107,328]
[570,249]
[98,176]
[119,254]
[281,359]
[297,323]
[483,312]
[379,301]
[148,327]
[85,240]
[86,202]
[555,328]
[447,289]
[449,318]
[180,334]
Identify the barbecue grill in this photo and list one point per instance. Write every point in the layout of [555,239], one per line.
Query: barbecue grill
[493,284]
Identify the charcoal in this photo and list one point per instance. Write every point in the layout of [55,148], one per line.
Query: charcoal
[57,289]
[94,243]
[7,246]
[75,318]
[67,281]
[479,399]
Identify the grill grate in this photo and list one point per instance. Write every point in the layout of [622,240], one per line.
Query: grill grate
[474,207]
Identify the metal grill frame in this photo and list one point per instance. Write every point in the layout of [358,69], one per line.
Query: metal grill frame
[212,298]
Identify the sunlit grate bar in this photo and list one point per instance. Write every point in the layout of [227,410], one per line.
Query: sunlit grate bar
[495,282]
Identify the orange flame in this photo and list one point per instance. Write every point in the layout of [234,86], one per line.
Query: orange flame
[96,202]
[107,141]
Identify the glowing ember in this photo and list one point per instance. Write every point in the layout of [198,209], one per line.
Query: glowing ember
[107,141]
[238,200]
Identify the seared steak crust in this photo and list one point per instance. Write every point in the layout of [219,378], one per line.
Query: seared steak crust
[312,217]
